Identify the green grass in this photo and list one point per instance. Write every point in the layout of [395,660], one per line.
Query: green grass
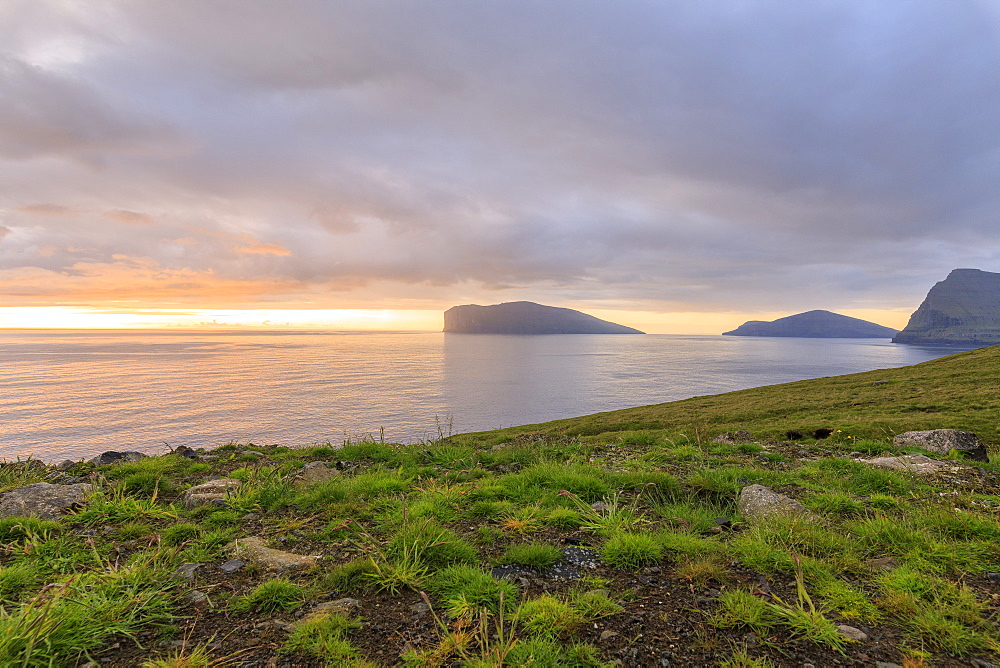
[537,555]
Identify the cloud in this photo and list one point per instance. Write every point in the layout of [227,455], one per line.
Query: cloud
[674,155]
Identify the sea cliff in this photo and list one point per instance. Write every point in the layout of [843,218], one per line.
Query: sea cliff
[963,309]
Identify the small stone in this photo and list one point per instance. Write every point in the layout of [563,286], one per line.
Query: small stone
[254,549]
[210,492]
[314,473]
[115,457]
[186,571]
[606,635]
[724,522]
[886,664]
[880,382]
[757,502]
[419,610]
[65,464]
[232,566]
[197,598]
[994,578]
[599,507]
[852,633]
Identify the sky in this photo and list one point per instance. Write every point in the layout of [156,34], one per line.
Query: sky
[675,166]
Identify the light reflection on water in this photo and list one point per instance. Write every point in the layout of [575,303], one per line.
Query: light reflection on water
[74,394]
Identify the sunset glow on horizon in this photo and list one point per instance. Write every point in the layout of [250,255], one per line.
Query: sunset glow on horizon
[56,317]
[676,167]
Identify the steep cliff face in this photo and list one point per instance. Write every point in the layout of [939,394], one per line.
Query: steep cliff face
[526,318]
[814,324]
[964,308]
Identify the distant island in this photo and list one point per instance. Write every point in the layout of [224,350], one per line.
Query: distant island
[526,318]
[815,325]
[964,308]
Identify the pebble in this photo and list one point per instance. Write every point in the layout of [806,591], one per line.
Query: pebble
[186,571]
[605,635]
[232,566]
[994,578]
[852,633]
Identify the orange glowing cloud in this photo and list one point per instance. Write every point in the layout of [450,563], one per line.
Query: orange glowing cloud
[265,249]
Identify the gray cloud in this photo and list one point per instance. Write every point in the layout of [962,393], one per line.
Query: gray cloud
[754,155]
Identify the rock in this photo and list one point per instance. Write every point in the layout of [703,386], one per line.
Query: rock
[419,610]
[880,382]
[65,465]
[186,571]
[758,502]
[886,664]
[186,452]
[599,507]
[254,549]
[526,318]
[944,441]
[252,453]
[883,563]
[115,457]
[741,436]
[852,633]
[962,309]
[315,472]
[43,500]
[232,566]
[993,578]
[197,598]
[607,635]
[919,464]
[815,324]
[209,492]
[346,606]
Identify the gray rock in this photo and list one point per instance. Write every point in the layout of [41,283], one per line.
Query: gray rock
[254,549]
[741,436]
[186,571]
[65,465]
[209,492]
[886,664]
[315,472]
[852,633]
[758,502]
[944,441]
[232,566]
[43,500]
[919,464]
[115,457]
[197,598]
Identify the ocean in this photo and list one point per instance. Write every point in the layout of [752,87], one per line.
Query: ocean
[73,394]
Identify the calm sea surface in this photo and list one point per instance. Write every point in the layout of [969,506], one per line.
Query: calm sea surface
[74,394]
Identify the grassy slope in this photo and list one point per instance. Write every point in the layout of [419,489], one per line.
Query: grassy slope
[959,391]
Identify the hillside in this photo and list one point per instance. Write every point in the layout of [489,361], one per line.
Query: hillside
[954,391]
[814,324]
